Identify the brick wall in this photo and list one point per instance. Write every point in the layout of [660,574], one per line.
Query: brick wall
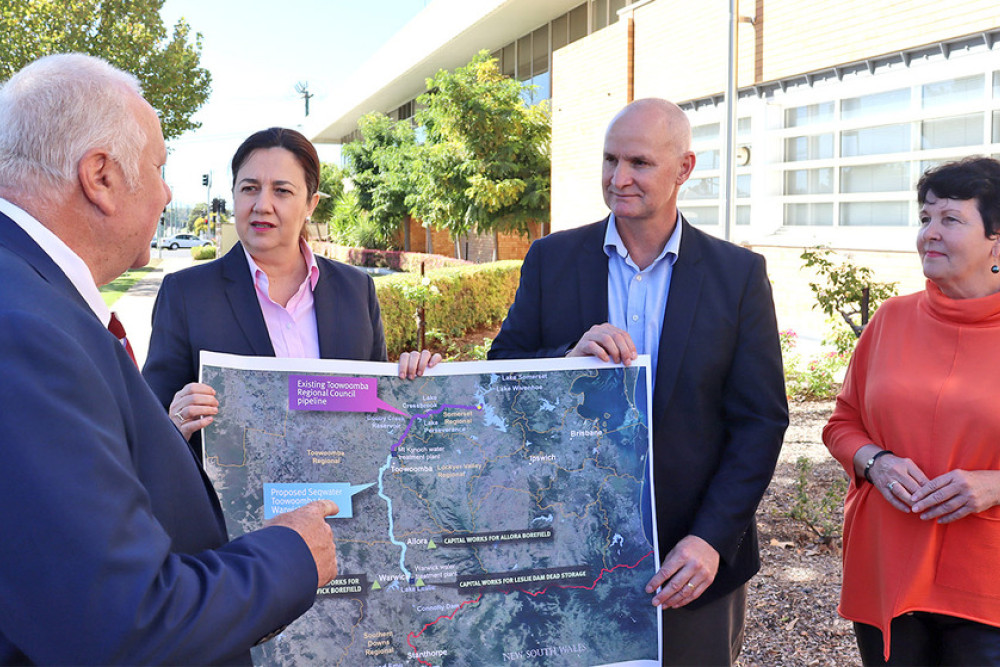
[480,248]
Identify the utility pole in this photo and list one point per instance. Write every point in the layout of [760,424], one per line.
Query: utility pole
[302,88]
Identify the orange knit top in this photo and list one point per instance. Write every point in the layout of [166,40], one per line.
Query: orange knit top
[924,382]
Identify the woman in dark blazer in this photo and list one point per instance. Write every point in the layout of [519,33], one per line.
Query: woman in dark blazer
[269,295]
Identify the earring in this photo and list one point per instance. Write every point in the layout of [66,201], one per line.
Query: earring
[995,268]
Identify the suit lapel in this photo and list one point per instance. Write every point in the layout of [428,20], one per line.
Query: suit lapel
[242,296]
[592,277]
[22,245]
[682,303]
[331,331]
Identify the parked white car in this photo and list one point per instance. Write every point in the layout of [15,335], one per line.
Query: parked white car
[182,241]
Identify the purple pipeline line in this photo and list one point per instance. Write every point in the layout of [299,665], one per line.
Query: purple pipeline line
[424,415]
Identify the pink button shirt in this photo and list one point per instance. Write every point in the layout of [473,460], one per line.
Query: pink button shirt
[292,328]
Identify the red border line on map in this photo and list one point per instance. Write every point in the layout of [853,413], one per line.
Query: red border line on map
[451,616]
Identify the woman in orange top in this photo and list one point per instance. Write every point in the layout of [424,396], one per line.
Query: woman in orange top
[917,427]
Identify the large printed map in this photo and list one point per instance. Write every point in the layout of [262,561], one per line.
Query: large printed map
[492,513]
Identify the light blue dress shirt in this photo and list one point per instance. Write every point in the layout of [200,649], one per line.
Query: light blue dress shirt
[637,299]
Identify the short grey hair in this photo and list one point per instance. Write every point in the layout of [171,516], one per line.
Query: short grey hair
[55,110]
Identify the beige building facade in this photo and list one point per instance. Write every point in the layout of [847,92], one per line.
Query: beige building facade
[841,106]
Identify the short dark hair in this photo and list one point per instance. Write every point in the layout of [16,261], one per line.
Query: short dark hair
[974,177]
[280,137]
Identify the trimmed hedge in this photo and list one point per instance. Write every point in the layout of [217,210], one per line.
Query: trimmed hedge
[203,252]
[465,299]
[396,260]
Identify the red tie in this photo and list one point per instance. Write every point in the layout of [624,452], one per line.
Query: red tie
[115,327]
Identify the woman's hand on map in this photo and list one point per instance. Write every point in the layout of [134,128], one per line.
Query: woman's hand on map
[193,408]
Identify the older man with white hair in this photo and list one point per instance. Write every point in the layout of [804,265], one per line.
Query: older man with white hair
[114,549]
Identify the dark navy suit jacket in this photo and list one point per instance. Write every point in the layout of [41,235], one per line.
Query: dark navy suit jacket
[719,405]
[214,307]
[113,547]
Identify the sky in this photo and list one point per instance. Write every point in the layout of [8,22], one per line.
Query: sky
[257,51]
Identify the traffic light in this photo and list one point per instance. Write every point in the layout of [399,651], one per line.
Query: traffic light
[204,179]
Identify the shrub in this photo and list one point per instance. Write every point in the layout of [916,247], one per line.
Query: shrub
[842,294]
[813,379]
[821,512]
[203,252]
[456,300]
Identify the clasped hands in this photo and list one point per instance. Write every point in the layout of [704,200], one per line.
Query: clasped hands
[946,498]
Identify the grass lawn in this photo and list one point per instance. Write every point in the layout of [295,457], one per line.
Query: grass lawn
[122,283]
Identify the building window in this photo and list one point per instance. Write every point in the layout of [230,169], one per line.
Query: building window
[884,177]
[600,12]
[875,140]
[816,214]
[864,153]
[809,114]
[809,181]
[702,193]
[578,23]
[890,101]
[815,147]
[952,132]
[873,213]
[405,111]
[702,216]
[560,32]
[954,91]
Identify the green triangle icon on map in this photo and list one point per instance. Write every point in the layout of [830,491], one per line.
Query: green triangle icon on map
[376,586]
[420,583]
[431,545]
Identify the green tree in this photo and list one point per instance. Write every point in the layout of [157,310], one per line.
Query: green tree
[198,212]
[351,225]
[382,165]
[331,188]
[127,33]
[485,165]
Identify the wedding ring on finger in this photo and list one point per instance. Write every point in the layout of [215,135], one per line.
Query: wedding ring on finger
[180,416]
[690,585]
[890,485]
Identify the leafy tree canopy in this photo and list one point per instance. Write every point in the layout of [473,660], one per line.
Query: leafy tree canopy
[331,187]
[486,161]
[381,167]
[127,33]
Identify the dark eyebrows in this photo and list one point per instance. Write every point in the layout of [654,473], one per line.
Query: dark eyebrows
[253,181]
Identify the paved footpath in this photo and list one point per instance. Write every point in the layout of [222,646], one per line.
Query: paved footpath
[135,307]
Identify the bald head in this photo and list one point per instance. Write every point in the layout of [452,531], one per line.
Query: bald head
[664,120]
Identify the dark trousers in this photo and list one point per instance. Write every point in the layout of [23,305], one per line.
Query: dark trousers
[710,635]
[920,639]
